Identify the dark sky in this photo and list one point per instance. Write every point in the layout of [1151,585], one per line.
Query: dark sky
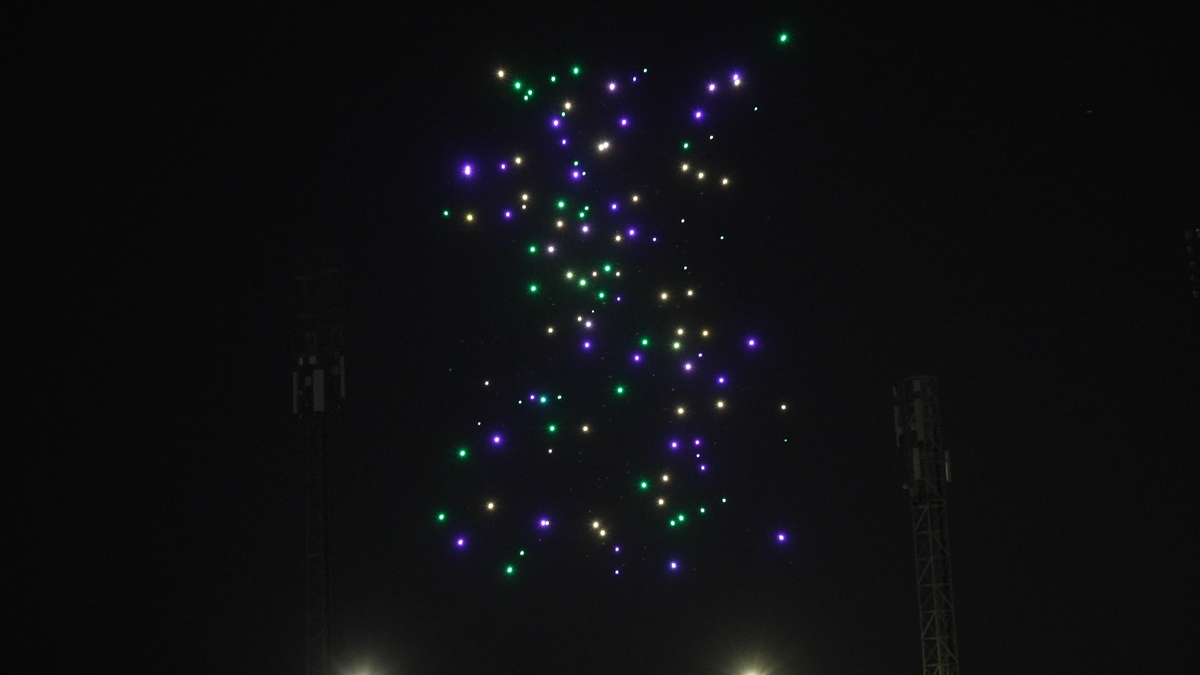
[992,195]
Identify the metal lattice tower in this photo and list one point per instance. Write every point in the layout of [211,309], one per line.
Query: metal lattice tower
[318,389]
[918,435]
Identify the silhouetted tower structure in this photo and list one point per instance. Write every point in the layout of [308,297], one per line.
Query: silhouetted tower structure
[318,389]
[1191,237]
[918,435]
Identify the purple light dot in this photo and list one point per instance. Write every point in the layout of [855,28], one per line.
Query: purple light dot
[575,175]
[624,122]
[617,572]
[461,542]
[618,298]
[564,141]
[554,123]
[674,444]
[466,169]
[614,206]
[696,442]
[721,380]
[781,537]
[503,166]
[637,358]
[699,114]
[632,232]
[508,214]
[712,87]
[616,549]
[654,239]
[674,565]
[496,439]
[587,345]
[687,366]
[751,342]
[703,468]
[543,523]
[612,86]
[736,77]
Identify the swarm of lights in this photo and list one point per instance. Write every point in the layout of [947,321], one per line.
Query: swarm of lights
[610,452]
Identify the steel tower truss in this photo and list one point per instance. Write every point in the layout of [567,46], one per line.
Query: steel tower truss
[918,435]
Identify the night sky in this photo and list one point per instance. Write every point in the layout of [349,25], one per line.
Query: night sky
[994,196]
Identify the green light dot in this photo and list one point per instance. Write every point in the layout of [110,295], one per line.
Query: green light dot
[533,249]
[529,93]
[562,204]
[542,399]
[783,37]
[583,282]
[441,517]
[645,342]
[462,452]
[672,523]
[608,268]
[510,569]
[527,97]
[600,295]
[702,510]
[620,391]
[552,428]
[645,485]
[517,85]
[575,70]
[446,213]
[686,145]
[581,215]
[680,518]
[533,288]
[553,78]
[521,553]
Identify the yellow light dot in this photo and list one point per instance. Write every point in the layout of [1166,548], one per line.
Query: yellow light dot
[559,223]
[500,74]
[603,533]
[635,198]
[567,105]
[704,333]
[679,411]
[724,181]
[585,428]
[661,501]
[700,175]
[666,478]
[690,293]
[470,217]
[783,406]
[570,275]
[517,160]
[595,524]
[550,329]
[684,167]
[720,404]
[491,505]
[524,198]
[663,296]
[617,238]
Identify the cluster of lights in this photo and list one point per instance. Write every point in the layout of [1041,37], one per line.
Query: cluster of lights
[558,220]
